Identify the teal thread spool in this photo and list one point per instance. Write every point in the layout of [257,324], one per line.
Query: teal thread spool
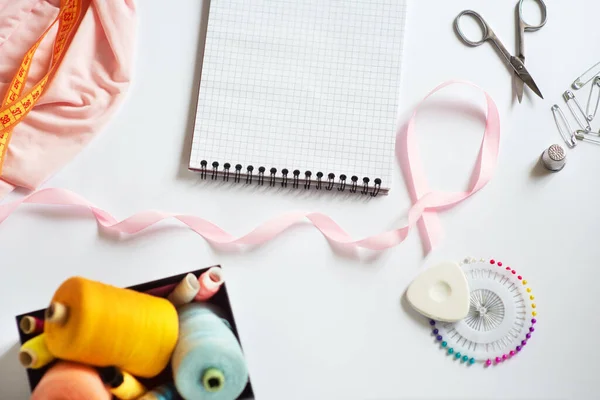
[208,363]
[163,392]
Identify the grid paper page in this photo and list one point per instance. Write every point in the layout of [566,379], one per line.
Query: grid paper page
[309,85]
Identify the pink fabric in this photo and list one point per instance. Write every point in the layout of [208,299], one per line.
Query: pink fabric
[86,90]
[426,204]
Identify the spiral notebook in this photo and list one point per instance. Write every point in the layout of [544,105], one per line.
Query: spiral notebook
[300,94]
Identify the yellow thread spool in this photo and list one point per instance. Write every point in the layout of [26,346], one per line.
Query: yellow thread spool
[122,384]
[34,353]
[102,325]
[130,389]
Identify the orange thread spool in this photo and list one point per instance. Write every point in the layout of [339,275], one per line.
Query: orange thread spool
[102,325]
[70,381]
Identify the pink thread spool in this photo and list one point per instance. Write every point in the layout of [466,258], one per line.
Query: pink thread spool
[210,282]
[30,325]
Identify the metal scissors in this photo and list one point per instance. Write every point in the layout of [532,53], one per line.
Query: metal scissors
[517,63]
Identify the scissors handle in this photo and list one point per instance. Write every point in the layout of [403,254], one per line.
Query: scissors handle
[488,35]
[487,32]
[526,27]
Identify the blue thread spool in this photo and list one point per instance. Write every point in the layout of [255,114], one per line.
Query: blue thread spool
[208,363]
[163,392]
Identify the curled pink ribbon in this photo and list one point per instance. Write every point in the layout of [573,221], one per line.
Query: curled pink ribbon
[426,202]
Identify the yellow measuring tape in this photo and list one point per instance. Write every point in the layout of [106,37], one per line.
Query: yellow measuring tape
[17,104]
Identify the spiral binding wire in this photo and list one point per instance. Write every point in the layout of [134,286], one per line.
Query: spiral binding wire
[295,179]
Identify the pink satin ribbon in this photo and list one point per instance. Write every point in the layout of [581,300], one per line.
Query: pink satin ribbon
[426,202]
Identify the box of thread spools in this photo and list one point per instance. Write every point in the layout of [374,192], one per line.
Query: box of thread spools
[169,339]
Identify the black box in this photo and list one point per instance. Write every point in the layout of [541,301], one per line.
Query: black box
[220,299]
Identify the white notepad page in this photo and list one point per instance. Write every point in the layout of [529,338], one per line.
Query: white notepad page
[308,85]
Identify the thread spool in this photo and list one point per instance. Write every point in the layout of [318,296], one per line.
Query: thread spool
[163,392]
[102,325]
[185,291]
[121,383]
[210,283]
[208,363]
[70,381]
[34,353]
[57,313]
[30,325]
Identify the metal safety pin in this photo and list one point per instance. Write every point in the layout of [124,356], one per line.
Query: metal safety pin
[586,77]
[581,118]
[596,85]
[586,137]
[564,127]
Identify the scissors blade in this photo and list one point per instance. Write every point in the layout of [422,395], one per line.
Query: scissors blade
[524,75]
[520,87]
[521,55]
[519,84]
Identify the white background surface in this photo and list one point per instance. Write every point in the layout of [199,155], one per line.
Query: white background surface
[317,323]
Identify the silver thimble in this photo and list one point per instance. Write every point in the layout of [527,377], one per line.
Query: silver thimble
[554,158]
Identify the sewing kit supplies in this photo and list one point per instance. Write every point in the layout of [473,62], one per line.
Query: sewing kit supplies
[103,325]
[586,77]
[441,293]
[426,202]
[517,63]
[30,325]
[501,318]
[185,291]
[570,136]
[554,158]
[577,111]
[163,392]
[210,282]
[208,363]
[122,384]
[17,104]
[593,100]
[586,137]
[71,47]
[564,127]
[585,132]
[34,353]
[67,380]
